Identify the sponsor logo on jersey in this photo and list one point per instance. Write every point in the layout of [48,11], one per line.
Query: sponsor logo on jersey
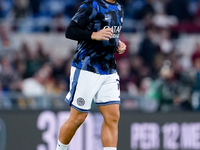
[116,31]
[80,101]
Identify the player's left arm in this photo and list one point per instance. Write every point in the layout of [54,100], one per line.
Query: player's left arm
[121,48]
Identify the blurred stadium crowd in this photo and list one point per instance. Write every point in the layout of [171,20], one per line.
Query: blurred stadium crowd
[155,75]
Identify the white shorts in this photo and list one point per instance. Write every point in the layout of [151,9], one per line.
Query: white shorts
[86,86]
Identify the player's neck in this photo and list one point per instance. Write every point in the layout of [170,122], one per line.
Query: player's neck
[111,1]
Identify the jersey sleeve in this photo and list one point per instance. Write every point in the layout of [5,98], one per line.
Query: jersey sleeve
[85,13]
[75,32]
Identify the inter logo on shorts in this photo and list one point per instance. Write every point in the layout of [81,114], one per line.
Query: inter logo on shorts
[80,101]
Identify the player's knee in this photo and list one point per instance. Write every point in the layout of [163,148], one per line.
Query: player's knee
[112,118]
[79,119]
[116,117]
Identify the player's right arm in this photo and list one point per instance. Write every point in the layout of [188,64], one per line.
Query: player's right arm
[76,32]
[76,29]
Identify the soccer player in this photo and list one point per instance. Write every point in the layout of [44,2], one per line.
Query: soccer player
[96,26]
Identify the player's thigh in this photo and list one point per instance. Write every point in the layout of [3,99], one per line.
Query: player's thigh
[110,113]
[77,116]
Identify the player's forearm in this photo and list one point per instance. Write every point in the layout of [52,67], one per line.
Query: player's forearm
[75,32]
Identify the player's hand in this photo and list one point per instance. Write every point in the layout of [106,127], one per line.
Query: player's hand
[104,34]
[121,47]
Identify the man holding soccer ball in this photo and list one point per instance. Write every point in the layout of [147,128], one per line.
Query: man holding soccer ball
[96,26]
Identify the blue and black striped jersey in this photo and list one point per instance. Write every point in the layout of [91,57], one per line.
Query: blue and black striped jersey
[98,56]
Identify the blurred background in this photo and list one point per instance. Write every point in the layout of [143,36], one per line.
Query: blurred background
[159,72]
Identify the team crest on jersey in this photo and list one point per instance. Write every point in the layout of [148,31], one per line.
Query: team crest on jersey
[80,101]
